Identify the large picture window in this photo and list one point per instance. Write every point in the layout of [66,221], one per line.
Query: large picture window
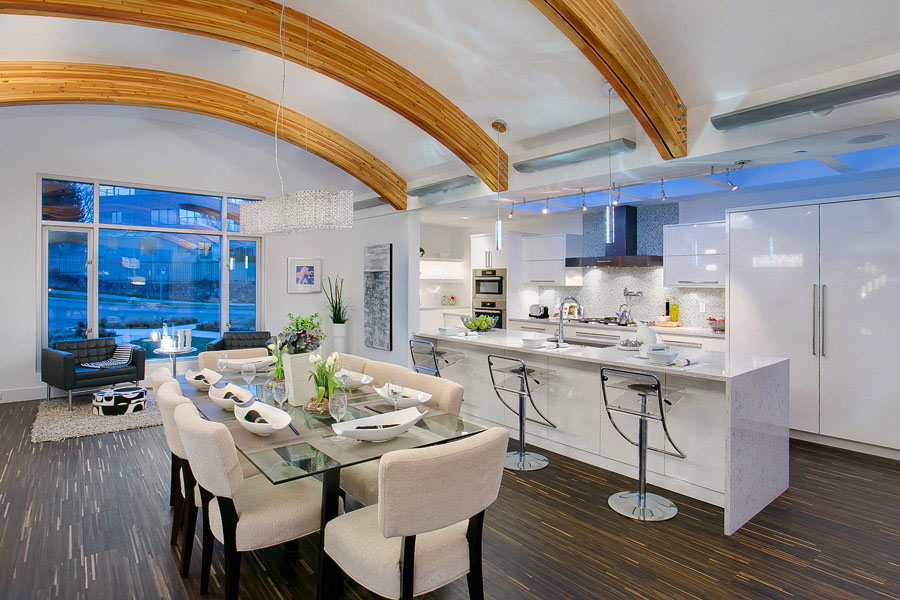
[162,257]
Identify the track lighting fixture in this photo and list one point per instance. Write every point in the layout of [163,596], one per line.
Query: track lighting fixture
[546,208]
[728,182]
[583,205]
[511,207]
[618,195]
[662,190]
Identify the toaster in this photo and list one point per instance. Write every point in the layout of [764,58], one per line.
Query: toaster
[538,311]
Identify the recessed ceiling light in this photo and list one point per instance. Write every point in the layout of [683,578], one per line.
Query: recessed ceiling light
[867,139]
[465,216]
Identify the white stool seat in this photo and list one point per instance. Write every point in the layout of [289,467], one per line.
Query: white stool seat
[355,542]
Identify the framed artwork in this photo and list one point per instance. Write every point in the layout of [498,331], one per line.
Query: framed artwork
[304,275]
[378,301]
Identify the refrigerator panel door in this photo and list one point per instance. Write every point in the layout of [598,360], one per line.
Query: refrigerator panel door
[773,277]
[861,295]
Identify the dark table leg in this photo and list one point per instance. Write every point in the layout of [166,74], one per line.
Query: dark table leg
[330,577]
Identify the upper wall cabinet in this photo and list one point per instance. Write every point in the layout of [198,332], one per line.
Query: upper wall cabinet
[484,252]
[545,260]
[695,255]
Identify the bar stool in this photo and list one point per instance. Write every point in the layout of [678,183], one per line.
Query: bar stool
[426,359]
[641,505]
[524,376]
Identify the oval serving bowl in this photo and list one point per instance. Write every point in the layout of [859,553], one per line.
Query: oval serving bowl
[218,395]
[276,418]
[211,377]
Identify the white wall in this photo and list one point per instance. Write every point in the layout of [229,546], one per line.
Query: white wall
[143,146]
[402,230]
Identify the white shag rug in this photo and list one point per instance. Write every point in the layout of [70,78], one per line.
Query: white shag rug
[54,422]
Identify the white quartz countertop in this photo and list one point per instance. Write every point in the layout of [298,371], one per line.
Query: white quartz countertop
[702,332]
[717,366]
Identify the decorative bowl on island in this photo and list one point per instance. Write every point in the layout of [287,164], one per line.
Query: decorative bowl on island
[479,323]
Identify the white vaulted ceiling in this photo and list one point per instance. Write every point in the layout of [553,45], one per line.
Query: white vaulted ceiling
[502,58]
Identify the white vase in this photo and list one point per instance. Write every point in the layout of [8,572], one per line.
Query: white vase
[296,378]
[339,333]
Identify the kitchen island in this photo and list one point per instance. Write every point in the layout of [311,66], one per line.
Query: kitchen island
[729,415]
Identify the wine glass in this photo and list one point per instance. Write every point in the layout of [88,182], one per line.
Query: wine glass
[395,390]
[248,372]
[221,362]
[279,393]
[337,407]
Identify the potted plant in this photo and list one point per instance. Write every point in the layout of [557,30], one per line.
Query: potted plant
[301,336]
[334,293]
[324,377]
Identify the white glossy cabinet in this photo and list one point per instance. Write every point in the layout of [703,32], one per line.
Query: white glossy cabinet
[859,300]
[485,255]
[545,260]
[773,279]
[695,255]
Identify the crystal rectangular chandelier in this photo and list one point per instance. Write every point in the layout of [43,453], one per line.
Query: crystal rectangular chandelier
[299,211]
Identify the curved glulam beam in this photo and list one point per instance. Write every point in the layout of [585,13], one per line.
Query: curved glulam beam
[603,34]
[254,23]
[77,83]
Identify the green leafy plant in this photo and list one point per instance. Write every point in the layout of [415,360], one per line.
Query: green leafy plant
[334,293]
[324,375]
[302,334]
[277,372]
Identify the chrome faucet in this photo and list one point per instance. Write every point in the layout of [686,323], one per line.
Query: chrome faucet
[560,336]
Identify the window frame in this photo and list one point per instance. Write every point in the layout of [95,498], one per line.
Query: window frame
[93,230]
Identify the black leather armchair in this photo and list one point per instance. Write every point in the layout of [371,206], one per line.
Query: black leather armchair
[61,365]
[236,340]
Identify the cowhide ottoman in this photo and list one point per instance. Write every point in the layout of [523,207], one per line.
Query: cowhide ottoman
[119,401]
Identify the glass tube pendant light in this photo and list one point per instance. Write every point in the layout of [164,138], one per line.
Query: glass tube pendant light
[499,125]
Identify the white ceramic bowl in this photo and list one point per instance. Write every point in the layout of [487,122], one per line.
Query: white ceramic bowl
[534,342]
[276,418]
[409,397]
[354,380]
[662,357]
[218,395]
[403,419]
[448,330]
[211,376]
[262,363]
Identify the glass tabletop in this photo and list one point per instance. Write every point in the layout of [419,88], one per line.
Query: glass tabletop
[311,449]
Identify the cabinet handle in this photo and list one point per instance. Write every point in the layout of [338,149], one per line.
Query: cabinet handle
[683,343]
[822,336]
[542,281]
[595,335]
[525,327]
[697,282]
[815,316]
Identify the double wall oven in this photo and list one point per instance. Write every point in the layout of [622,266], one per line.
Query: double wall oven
[489,294]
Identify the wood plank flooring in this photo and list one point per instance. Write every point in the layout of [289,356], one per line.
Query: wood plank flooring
[88,519]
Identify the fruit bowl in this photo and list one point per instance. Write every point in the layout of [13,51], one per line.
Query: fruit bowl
[479,323]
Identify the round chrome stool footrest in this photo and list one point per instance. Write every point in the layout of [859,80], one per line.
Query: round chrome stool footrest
[531,462]
[656,508]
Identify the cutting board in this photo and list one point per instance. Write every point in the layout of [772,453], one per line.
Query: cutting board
[668,323]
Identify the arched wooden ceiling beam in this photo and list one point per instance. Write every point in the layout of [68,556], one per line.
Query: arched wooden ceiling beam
[603,34]
[79,83]
[255,23]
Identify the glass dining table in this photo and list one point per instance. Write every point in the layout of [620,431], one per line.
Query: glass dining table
[310,448]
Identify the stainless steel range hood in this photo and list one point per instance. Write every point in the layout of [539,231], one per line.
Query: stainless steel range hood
[622,250]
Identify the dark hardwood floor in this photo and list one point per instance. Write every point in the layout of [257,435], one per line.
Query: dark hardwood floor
[89,518]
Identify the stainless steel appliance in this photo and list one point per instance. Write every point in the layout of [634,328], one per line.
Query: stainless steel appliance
[491,308]
[539,311]
[489,284]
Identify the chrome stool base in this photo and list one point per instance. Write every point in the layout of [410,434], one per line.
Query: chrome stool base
[530,462]
[656,508]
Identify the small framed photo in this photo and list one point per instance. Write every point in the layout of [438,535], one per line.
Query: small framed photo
[304,275]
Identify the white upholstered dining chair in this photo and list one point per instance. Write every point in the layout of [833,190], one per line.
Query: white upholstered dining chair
[361,481]
[242,514]
[425,531]
[160,376]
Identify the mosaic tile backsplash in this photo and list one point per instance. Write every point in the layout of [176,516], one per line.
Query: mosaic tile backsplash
[601,295]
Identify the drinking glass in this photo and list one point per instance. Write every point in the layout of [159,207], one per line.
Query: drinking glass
[395,390]
[279,392]
[337,407]
[221,362]
[248,372]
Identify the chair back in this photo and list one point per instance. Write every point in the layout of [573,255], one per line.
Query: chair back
[211,452]
[90,350]
[159,376]
[168,397]
[351,362]
[423,357]
[207,360]
[425,489]
[383,372]
[446,395]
